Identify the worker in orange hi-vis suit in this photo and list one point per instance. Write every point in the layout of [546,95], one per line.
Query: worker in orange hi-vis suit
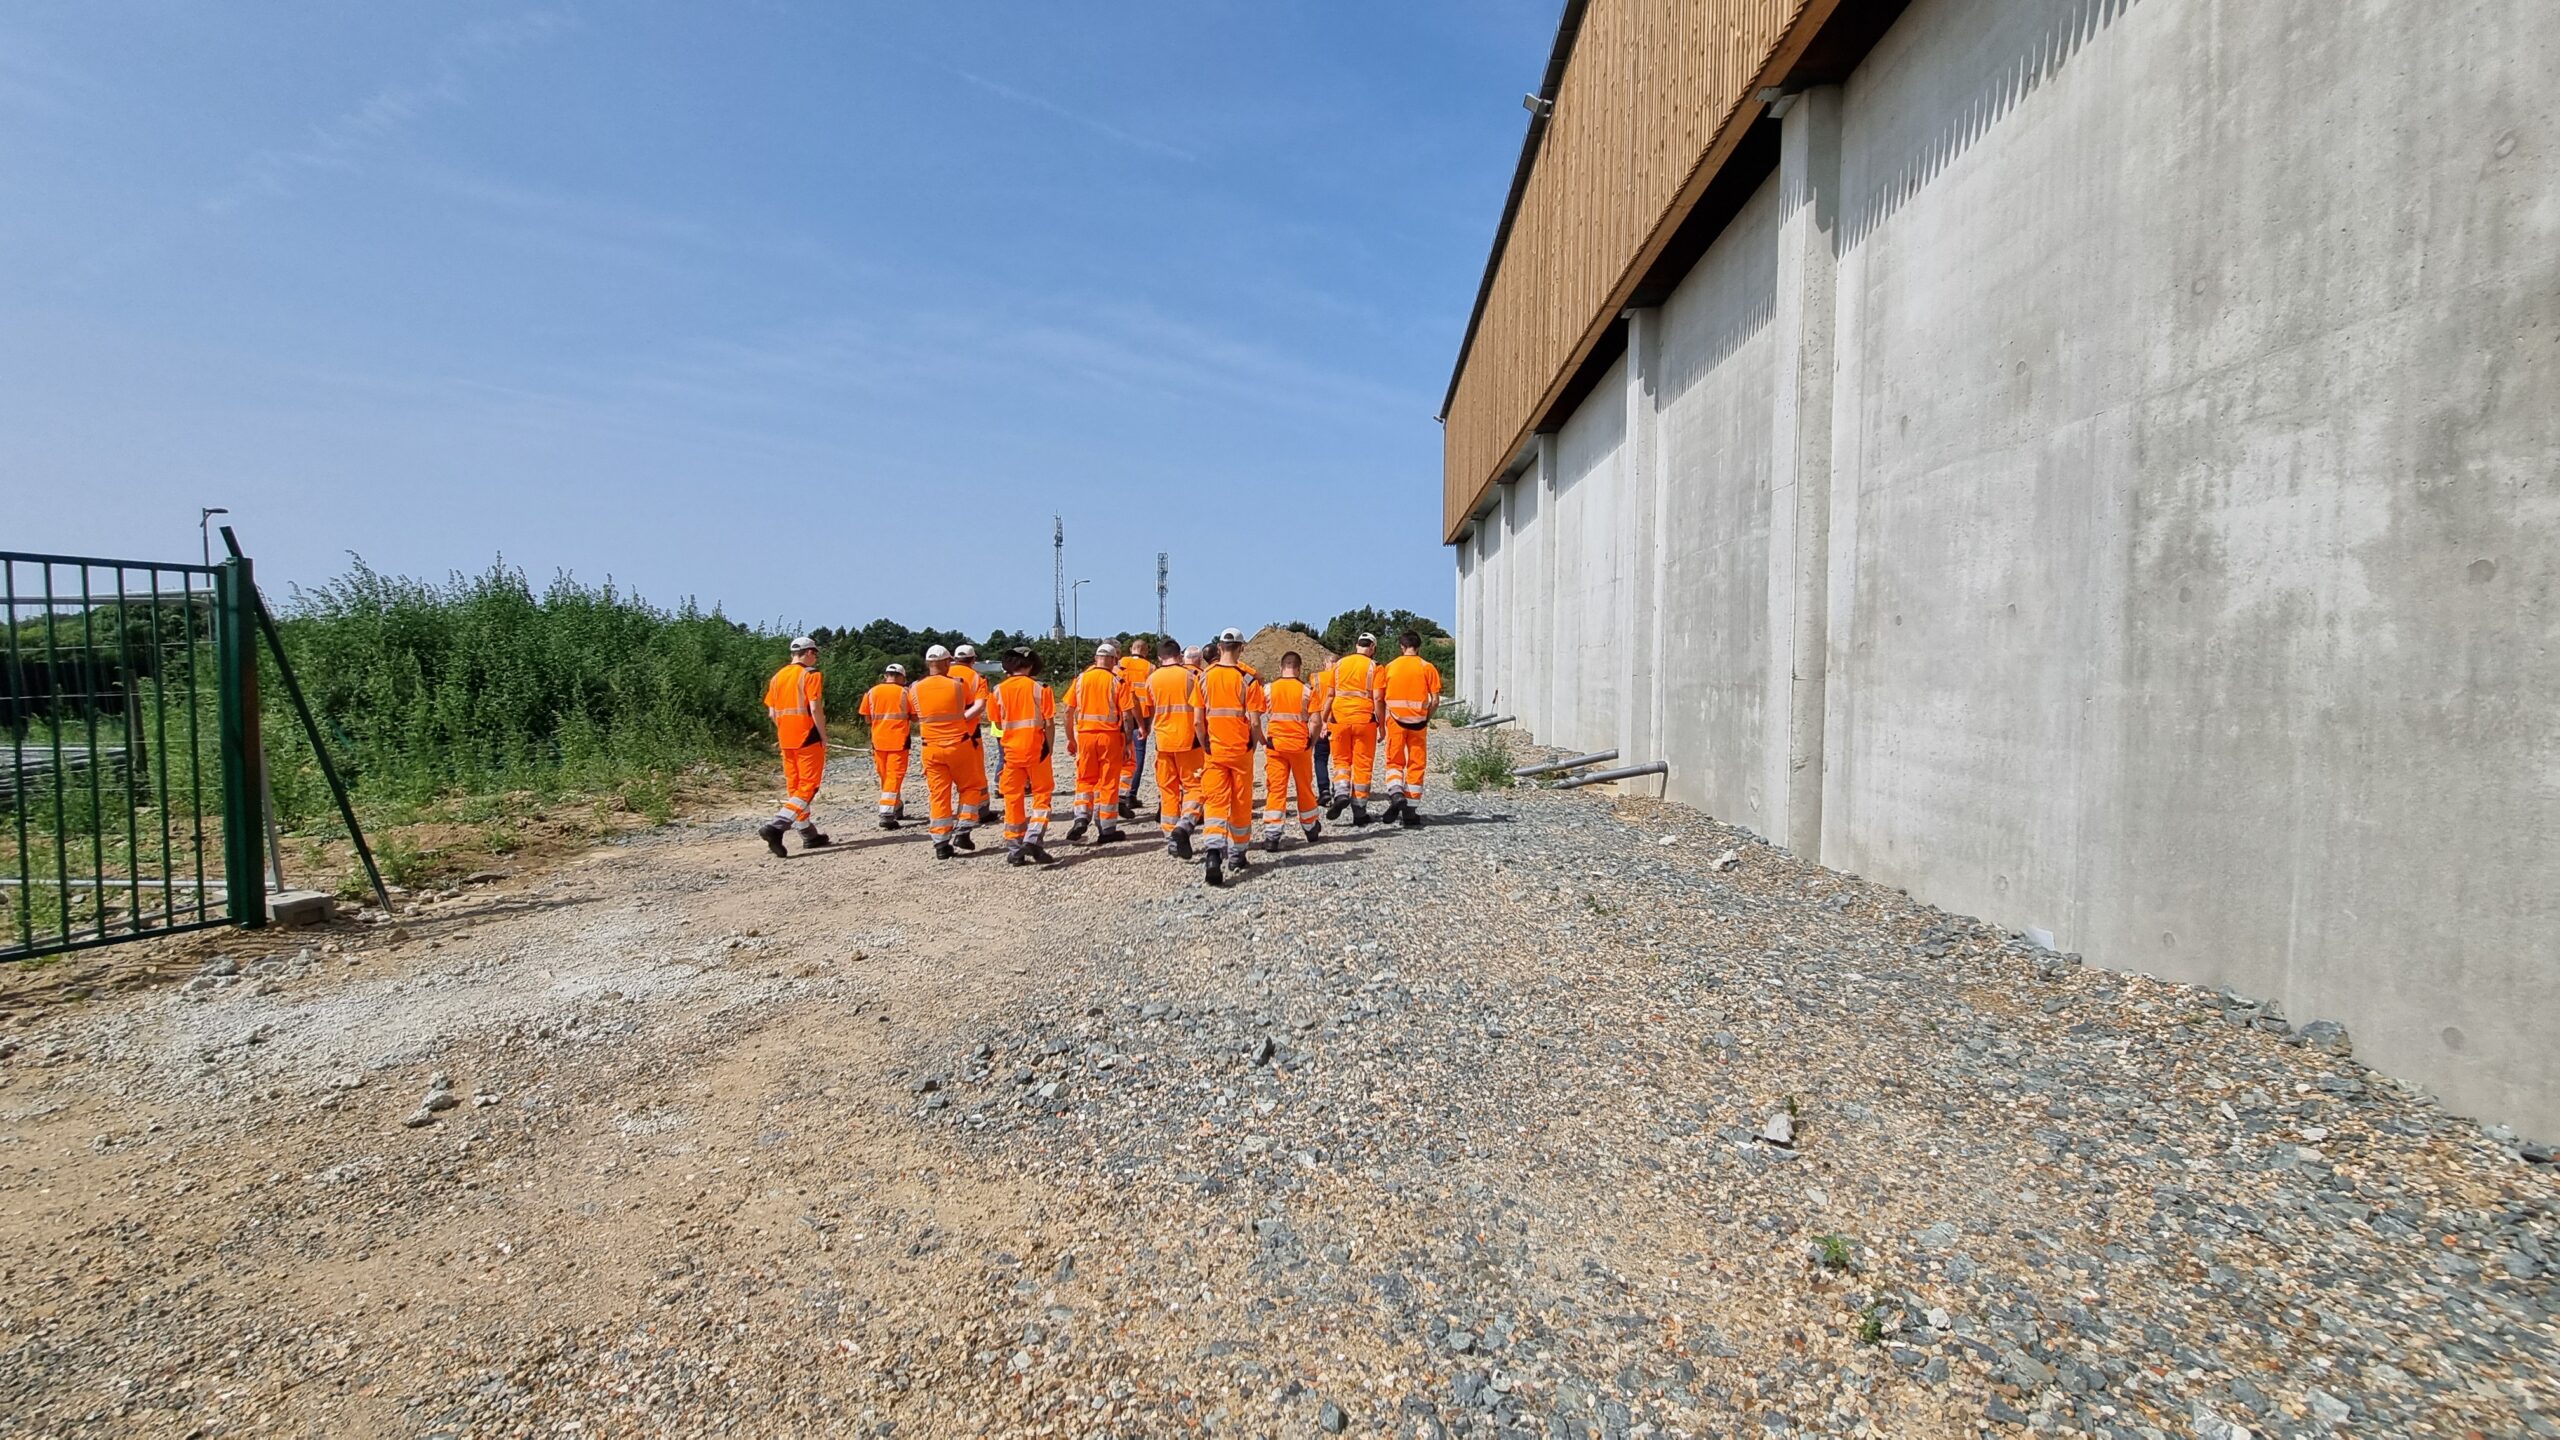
[1135,668]
[1229,713]
[884,706]
[1099,716]
[1172,690]
[1408,695]
[1353,721]
[1026,720]
[964,668]
[795,698]
[955,779]
[1291,724]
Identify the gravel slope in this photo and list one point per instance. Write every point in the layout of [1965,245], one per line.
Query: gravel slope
[1458,1132]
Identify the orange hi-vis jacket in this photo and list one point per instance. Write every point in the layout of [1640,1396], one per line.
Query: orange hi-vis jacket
[1135,669]
[1023,711]
[1355,679]
[1171,692]
[1409,684]
[940,705]
[1292,713]
[1097,700]
[796,699]
[969,678]
[1229,699]
[885,706]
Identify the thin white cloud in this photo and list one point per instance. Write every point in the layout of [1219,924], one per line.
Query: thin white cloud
[342,142]
[1103,128]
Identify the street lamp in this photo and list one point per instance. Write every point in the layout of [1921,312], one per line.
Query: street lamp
[1075,607]
[204,530]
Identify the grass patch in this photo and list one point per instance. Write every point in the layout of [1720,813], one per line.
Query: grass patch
[1834,1251]
[1483,763]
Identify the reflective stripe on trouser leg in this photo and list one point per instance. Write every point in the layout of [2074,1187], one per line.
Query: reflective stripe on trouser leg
[1355,759]
[1043,779]
[1280,769]
[891,766]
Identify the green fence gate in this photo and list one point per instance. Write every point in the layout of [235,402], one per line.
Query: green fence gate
[130,801]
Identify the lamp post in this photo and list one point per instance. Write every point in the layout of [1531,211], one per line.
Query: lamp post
[1075,607]
[204,530]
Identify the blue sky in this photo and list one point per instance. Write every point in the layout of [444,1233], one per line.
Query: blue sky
[814,311]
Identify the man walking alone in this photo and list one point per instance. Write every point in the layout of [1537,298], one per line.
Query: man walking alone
[795,699]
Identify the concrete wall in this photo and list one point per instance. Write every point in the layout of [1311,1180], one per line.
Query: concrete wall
[2110,482]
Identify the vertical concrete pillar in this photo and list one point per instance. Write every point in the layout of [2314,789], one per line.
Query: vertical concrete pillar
[1546,614]
[1800,470]
[1640,493]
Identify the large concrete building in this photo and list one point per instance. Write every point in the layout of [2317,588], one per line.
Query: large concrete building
[2095,463]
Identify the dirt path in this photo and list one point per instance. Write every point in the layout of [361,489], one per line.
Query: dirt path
[1451,1132]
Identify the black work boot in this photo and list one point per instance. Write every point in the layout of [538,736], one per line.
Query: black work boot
[1359,814]
[1334,802]
[962,841]
[1395,811]
[888,822]
[1181,842]
[1038,853]
[1315,828]
[1271,843]
[1217,875]
[814,840]
[941,849]
[1412,818]
[1076,831]
[1013,855]
[771,834]
[1105,837]
[1242,855]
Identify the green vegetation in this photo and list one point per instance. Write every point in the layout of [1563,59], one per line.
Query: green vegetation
[1871,1324]
[1484,763]
[1835,1251]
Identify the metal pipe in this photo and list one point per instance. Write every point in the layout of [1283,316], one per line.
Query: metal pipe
[1489,722]
[1552,766]
[1623,772]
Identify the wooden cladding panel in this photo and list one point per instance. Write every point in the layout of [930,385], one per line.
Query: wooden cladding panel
[1653,91]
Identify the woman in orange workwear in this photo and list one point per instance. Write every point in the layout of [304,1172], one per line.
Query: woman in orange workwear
[795,700]
[1229,712]
[1172,690]
[885,706]
[1026,717]
[1099,717]
[947,719]
[1291,724]
[1354,723]
[1409,695]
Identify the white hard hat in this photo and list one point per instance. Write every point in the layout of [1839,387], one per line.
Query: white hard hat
[1107,647]
[1231,636]
[893,668]
[1366,639]
[967,652]
[936,652]
[802,642]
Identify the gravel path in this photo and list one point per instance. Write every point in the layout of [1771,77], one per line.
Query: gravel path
[1568,1116]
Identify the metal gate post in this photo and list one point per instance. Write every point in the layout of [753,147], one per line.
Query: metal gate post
[243,758]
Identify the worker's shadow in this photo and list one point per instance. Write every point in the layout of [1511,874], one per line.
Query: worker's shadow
[1465,818]
[1318,854]
[877,840]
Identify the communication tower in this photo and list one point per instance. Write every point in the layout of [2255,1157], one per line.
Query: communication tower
[1161,558]
[1058,584]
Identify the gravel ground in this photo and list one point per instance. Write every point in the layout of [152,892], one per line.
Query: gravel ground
[1570,1115]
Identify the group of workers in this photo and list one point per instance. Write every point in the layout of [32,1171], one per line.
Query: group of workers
[1204,715]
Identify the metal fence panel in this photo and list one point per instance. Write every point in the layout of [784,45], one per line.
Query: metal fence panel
[131,768]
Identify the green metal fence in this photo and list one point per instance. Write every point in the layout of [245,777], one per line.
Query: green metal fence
[129,805]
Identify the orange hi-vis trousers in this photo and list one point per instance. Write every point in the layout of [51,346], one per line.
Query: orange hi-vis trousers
[1408,755]
[955,770]
[1355,758]
[1098,757]
[1178,788]
[1027,786]
[804,768]
[1226,795]
[1281,768]
[892,765]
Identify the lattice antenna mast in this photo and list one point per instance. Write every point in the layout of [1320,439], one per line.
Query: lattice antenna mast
[1161,571]
[1058,584]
